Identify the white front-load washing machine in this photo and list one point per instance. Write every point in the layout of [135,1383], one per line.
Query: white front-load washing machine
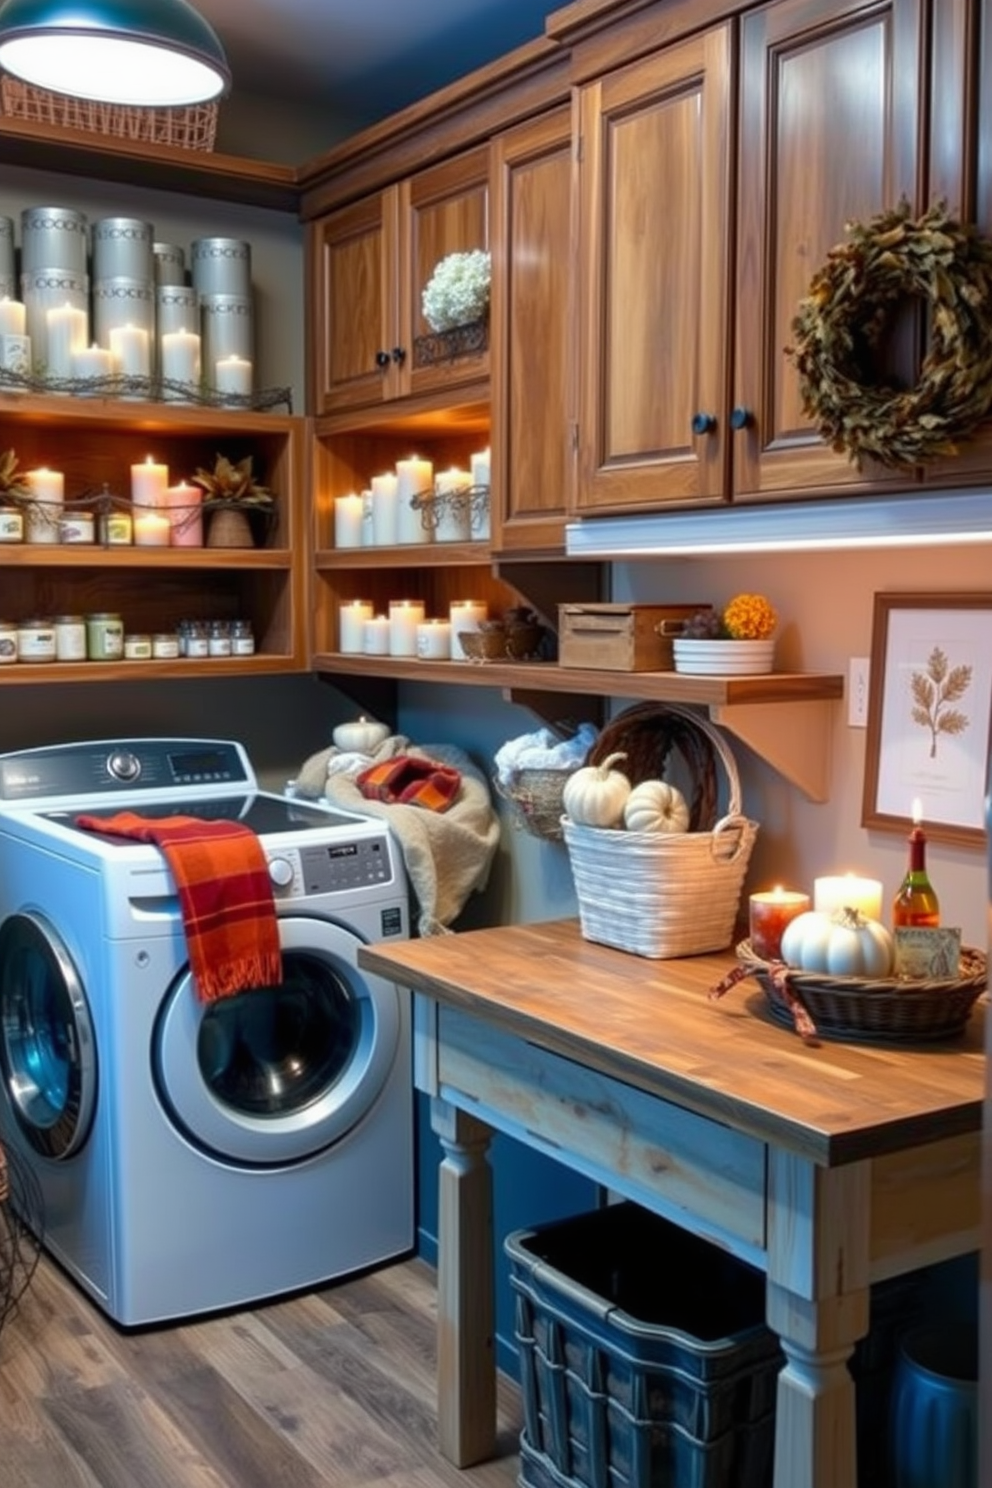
[192,1156]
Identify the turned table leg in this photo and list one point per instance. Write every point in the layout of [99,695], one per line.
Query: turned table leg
[818,1301]
[465,1324]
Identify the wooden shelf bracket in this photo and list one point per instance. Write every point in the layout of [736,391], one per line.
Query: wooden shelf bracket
[793,737]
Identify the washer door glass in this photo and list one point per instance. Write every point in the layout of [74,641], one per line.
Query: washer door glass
[275,1075]
[47,1049]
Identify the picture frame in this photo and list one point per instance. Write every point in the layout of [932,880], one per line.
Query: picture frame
[929,703]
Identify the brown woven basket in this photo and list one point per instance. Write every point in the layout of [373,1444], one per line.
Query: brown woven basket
[192,127]
[647,733]
[883,1010]
[536,796]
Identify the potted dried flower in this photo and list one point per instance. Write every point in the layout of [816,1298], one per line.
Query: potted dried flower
[230,493]
[738,640]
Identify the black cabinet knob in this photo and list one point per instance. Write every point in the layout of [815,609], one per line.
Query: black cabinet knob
[703,423]
[382,358]
[740,418]
[399,355]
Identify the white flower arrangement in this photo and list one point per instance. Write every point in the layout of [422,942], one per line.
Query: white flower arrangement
[457,292]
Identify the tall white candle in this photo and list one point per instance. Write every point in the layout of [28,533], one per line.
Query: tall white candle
[66,328]
[847,891]
[434,640]
[47,488]
[183,501]
[414,477]
[348,521]
[351,624]
[149,483]
[233,374]
[480,467]
[13,317]
[152,529]
[384,510]
[375,636]
[453,506]
[404,617]
[465,615]
[130,350]
[180,360]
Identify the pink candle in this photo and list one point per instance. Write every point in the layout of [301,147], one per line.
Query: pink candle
[185,518]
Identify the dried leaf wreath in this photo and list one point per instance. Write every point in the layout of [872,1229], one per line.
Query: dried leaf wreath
[842,318]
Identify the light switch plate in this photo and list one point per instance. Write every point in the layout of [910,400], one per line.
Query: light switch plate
[857,691]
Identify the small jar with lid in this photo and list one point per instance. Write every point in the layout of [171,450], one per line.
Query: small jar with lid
[77,527]
[104,636]
[70,638]
[219,640]
[165,646]
[242,638]
[137,647]
[35,640]
[195,639]
[8,642]
[11,524]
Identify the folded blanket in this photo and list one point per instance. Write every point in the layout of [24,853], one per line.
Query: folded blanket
[225,895]
[410,781]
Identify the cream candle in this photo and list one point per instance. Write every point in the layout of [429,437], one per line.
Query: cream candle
[465,615]
[13,317]
[351,624]
[152,529]
[404,617]
[42,515]
[183,502]
[434,640]
[91,363]
[179,360]
[769,914]
[375,636]
[149,482]
[66,328]
[363,736]
[414,477]
[131,351]
[480,466]
[233,375]
[384,526]
[453,507]
[847,891]
[348,521]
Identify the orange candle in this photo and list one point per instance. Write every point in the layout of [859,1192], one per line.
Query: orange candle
[770,913]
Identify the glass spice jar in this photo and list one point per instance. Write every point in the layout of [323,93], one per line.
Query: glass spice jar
[70,638]
[219,642]
[242,638]
[35,640]
[104,636]
[137,647]
[165,646]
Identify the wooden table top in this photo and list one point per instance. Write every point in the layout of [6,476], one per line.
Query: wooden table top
[652,1024]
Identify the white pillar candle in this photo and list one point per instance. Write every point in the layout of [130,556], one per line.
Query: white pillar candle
[90,364]
[183,502]
[367,534]
[149,483]
[452,523]
[414,477]
[351,625]
[465,615]
[384,510]
[348,521]
[66,328]
[375,636]
[131,351]
[179,360]
[233,374]
[480,467]
[47,491]
[434,640]
[13,317]
[404,617]
[847,891]
[152,529]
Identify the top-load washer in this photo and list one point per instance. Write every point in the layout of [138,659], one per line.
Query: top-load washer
[192,1157]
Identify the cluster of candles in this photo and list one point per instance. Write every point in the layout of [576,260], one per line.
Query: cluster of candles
[406,630]
[771,912]
[384,515]
[161,515]
[70,355]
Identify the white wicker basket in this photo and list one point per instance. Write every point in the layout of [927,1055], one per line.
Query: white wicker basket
[661,894]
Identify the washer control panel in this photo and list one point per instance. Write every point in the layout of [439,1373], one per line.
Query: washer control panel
[330,868]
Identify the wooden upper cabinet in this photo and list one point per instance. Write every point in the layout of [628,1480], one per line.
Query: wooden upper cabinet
[831,120]
[533,408]
[369,265]
[654,193]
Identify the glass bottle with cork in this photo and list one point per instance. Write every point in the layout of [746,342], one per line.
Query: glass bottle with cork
[916,901]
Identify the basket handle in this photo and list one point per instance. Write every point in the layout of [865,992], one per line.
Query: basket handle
[722,749]
[723,848]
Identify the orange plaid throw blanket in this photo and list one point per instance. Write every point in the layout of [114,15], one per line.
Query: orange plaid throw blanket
[225,895]
[407,780]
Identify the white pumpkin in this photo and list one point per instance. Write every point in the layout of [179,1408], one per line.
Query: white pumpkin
[656,806]
[842,944]
[595,795]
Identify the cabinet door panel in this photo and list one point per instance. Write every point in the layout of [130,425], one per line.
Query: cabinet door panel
[654,225]
[354,302]
[830,116]
[533,337]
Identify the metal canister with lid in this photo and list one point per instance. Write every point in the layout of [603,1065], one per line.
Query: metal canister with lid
[70,638]
[104,636]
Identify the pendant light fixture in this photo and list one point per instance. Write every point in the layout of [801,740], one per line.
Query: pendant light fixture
[145,53]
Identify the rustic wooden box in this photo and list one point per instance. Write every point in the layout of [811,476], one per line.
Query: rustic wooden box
[620,637]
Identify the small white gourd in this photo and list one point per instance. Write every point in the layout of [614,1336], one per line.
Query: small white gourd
[841,944]
[594,795]
[656,806]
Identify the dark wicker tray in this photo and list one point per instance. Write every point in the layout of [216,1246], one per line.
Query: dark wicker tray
[881,1011]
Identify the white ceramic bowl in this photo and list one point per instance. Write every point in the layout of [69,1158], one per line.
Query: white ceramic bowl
[723,658]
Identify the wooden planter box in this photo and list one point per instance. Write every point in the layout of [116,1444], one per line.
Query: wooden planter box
[620,637]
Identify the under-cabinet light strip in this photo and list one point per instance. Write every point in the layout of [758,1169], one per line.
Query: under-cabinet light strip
[944,517]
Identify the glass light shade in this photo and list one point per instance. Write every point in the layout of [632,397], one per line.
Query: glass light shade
[145,53]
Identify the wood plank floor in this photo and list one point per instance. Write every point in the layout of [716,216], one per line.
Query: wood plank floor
[332,1389]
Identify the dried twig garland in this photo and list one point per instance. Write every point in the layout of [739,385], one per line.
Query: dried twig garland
[841,321]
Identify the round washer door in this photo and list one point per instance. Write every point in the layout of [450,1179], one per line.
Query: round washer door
[47,1050]
[278,1074]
